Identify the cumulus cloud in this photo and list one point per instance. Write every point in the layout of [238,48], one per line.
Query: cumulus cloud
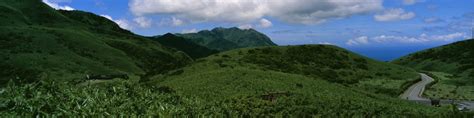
[358,41]
[143,22]
[187,31]
[57,6]
[264,23]
[394,15]
[123,23]
[176,21]
[246,26]
[241,11]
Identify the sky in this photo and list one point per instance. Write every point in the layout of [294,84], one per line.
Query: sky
[380,29]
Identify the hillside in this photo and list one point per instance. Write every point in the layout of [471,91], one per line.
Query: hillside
[456,58]
[40,42]
[454,66]
[223,39]
[330,63]
[192,49]
[280,80]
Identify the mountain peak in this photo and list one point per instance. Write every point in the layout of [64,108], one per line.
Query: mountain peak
[169,35]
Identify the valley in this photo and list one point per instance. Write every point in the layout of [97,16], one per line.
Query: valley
[75,63]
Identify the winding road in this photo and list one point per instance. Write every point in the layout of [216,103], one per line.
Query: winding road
[415,93]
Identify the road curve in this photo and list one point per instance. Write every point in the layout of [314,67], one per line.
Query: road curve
[415,91]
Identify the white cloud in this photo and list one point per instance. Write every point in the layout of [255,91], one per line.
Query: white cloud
[176,21]
[57,6]
[394,15]
[419,39]
[189,31]
[246,26]
[422,38]
[173,21]
[358,41]
[325,43]
[123,23]
[143,22]
[264,23]
[242,11]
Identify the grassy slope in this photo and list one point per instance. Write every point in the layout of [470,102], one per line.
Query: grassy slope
[192,49]
[223,39]
[453,63]
[453,58]
[230,77]
[40,42]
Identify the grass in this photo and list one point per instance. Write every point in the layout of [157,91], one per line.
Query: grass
[75,44]
[330,63]
[250,87]
[448,87]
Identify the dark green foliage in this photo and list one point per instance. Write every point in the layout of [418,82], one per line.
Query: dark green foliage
[319,60]
[193,50]
[66,45]
[224,39]
[127,98]
[456,58]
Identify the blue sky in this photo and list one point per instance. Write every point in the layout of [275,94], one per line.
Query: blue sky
[381,29]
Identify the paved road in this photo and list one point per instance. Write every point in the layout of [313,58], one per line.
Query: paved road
[415,92]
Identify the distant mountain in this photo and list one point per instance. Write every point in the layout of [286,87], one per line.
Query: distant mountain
[456,58]
[40,42]
[223,39]
[179,43]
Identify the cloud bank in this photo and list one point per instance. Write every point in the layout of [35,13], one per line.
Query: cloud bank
[241,11]
[406,39]
[394,15]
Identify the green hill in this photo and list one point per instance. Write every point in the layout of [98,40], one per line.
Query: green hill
[452,63]
[181,44]
[319,61]
[310,79]
[223,39]
[456,58]
[40,42]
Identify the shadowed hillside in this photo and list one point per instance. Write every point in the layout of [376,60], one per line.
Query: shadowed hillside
[181,44]
[40,42]
[456,58]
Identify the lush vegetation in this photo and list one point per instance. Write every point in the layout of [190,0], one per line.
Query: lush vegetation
[223,39]
[192,49]
[327,62]
[447,87]
[453,58]
[46,54]
[39,42]
[454,66]
[264,93]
